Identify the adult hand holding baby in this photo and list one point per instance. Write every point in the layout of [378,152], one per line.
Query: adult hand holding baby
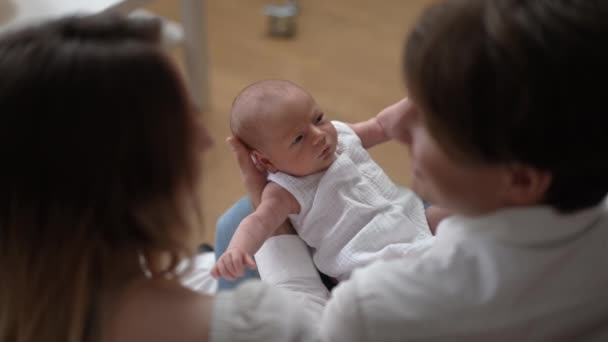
[253,174]
[232,263]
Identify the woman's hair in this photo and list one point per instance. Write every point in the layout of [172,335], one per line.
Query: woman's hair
[98,142]
[518,81]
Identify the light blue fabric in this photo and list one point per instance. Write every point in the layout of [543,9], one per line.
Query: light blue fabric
[225,228]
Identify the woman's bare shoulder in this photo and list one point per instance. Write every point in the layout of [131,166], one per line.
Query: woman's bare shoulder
[158,310]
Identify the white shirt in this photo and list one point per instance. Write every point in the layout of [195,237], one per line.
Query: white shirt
[352,213]
[520,274]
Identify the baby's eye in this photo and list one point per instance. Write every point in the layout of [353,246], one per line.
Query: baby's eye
[320,118]
[298,139]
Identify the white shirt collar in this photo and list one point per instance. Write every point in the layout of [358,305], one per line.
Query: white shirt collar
[529,225]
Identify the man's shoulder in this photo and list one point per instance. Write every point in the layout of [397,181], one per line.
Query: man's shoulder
[390,300]
[438,283]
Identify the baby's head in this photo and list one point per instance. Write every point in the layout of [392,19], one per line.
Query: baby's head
[284,126]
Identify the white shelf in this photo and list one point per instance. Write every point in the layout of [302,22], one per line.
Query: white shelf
[28,11]
[191,34]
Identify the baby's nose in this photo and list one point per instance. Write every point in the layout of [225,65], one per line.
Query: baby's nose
[319,139]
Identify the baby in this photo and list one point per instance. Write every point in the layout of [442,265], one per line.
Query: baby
[337,198]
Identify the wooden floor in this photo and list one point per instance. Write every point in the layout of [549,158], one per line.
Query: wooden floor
[346,53]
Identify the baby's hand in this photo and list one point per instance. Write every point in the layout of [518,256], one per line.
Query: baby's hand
[394,120]
[231,265]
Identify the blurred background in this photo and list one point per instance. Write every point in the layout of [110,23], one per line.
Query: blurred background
[345,52]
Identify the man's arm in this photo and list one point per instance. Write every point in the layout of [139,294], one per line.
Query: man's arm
[292,290]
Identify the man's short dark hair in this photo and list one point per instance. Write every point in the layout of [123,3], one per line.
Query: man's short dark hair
[521,81]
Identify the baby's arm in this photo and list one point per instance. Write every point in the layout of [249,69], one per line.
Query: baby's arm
[383,126]
[276,204]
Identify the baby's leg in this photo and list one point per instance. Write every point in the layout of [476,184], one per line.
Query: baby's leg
[225,228]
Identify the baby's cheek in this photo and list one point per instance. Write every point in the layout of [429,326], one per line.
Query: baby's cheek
[298,159]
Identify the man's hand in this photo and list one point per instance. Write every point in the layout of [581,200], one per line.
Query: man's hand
[231,265]
[252,173]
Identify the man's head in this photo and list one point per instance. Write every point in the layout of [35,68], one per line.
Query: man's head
[285,128]
[516,86]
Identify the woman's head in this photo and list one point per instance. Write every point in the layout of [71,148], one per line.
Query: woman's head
[510,85]
[99,145]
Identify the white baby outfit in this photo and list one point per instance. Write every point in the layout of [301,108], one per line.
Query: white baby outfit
[352,214]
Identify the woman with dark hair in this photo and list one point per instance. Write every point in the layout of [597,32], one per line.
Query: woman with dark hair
[101,153]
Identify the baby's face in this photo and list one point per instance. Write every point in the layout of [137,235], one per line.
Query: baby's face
[299,139]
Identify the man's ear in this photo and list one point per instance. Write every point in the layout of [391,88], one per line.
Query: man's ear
[527,185]
[263,161]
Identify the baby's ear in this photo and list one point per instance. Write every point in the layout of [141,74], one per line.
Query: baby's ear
[262,161]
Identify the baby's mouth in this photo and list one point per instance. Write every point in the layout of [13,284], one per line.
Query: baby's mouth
[326,152]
